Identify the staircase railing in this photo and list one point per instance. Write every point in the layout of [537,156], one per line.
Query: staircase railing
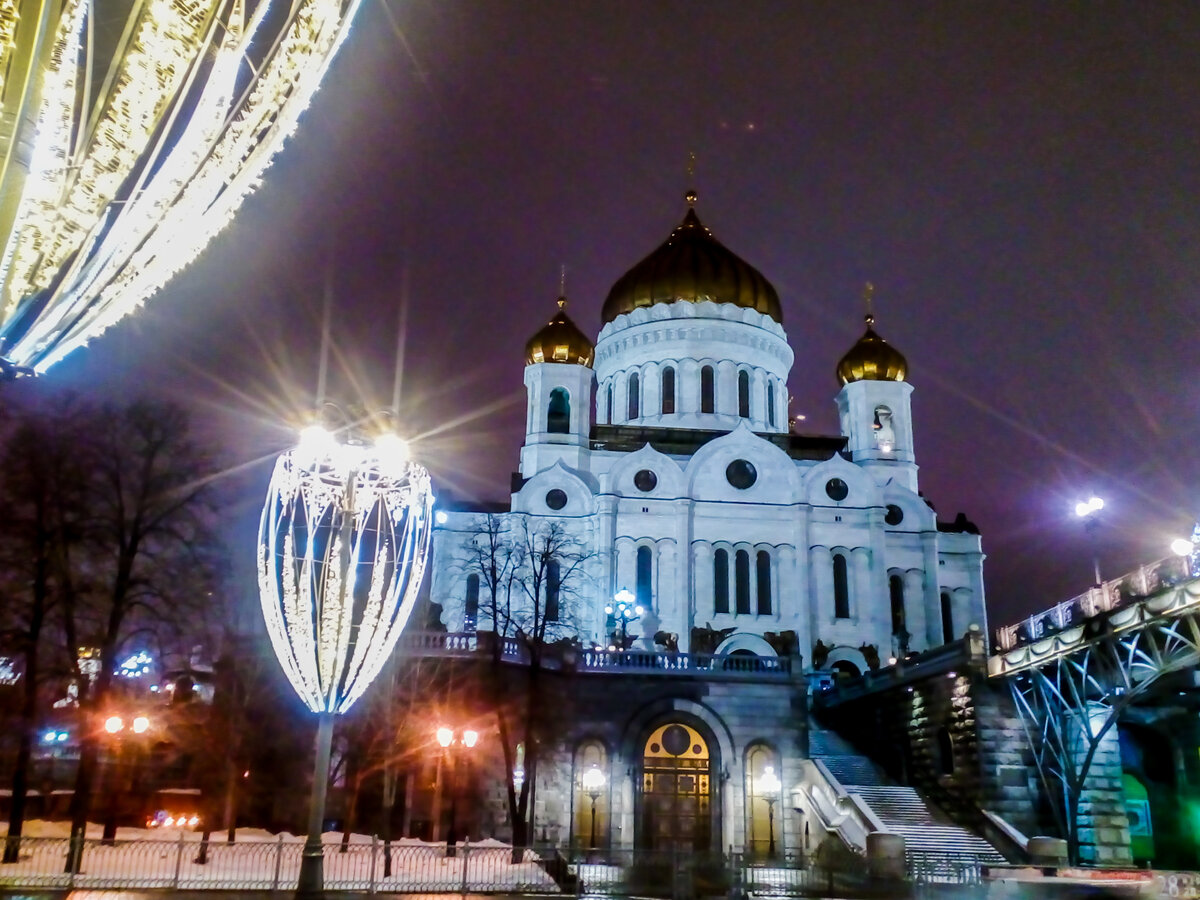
[836,810]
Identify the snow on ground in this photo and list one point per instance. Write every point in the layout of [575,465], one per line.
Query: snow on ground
[143,857]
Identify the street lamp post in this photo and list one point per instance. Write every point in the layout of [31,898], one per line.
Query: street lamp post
[450,742]
[342,548]
[625,610]
[115,727]
[768,788]
[1089,511]
[593,784]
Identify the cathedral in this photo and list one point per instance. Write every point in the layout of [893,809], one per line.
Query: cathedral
[695,531]
[665,451]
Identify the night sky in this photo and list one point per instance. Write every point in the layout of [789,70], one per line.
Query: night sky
[1020,182]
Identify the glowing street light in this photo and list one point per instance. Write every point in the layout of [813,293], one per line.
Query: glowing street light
[1089,511]
[624,611]
[1182,547]
[448,740]
[593,784]
[768,789]
[342,548]
[121,159]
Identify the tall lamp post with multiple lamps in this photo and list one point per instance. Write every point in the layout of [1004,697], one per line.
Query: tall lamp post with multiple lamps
[593,784]
[115,727]
[449,740]
[625,610]
[1089,511]
[342,548]
[768,789]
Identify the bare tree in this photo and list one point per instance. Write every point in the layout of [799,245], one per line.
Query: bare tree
[40,481]
[149,559]
[531,572]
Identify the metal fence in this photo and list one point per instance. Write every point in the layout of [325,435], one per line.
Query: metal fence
[275,865]
[408,866]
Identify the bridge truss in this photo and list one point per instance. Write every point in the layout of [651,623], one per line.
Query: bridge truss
[1071,688]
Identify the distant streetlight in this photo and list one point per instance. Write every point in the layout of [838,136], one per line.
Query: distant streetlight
[449,741]
[625,611]
[593,784]
[768,789]
[1089,511]
[1182,547]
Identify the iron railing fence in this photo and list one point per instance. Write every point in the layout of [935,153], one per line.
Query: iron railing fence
[940,868]
[401,866]
[413,867]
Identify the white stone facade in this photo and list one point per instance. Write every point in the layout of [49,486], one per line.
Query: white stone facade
[828,536]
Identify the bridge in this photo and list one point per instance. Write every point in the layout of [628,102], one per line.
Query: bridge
[1076,670]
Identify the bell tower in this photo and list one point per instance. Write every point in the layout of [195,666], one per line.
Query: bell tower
[558,388]
[874,405]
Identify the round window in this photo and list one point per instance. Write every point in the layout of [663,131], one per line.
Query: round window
[645,480]
[556,499]
[741,474]
[894,515]
[836,489]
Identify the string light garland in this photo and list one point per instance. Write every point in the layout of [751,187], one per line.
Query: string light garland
[126,184]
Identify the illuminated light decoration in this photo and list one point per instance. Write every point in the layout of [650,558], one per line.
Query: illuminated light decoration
[136,161]
[343,543]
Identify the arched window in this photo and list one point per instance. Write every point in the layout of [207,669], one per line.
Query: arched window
[764,583]
[741,579]
[552,589]
[762,828]
[589,827]
[945,751]
[708,392]
[721,582]
[645,562]
[471,606]
[770,405]
[558,415]
[885,434]
[841,588]
[896,589]
[668,390]
[947,618]
[634,396]
[608,410]
[744,394]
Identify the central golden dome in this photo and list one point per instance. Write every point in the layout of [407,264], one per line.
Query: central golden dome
[692,265]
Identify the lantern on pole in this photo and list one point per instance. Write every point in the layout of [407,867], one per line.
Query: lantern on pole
[342,548]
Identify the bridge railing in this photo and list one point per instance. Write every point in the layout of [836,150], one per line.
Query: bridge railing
[645,662]
[1142,582]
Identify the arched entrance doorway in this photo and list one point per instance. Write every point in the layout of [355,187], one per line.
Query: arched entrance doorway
[677,782]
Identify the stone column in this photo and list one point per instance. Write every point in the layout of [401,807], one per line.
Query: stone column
[932,596]
[820,600]
[914,609]
[862,590]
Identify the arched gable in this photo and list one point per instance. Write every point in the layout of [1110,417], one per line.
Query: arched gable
[535,496]
[862,489]
[670,479]
[775,479]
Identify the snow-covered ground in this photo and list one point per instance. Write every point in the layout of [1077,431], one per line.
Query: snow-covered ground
[142,857]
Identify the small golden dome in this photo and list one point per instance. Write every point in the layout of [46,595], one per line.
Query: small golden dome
[692,265]
[872,359]
[560,341]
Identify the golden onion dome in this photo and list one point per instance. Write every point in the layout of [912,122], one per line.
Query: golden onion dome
[560,341]
[872,359]
[692,265]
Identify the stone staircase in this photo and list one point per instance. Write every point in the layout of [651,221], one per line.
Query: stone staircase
[928,834]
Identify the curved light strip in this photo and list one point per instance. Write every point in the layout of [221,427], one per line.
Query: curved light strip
[121,193]
[342,548]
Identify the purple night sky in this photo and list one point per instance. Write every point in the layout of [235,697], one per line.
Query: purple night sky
[1020,181]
